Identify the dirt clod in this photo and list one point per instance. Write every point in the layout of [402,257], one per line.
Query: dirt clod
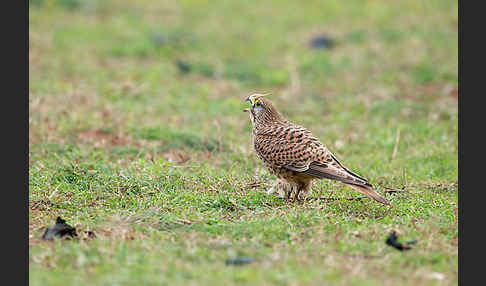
[393,242]
[60,229]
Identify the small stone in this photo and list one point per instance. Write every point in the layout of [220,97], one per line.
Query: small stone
[239,260]
[322,41]
[184,67]
[436,275]
[60,229]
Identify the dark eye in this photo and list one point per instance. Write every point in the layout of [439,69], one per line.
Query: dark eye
[258,103]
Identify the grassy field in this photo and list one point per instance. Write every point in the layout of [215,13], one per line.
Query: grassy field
[136,132]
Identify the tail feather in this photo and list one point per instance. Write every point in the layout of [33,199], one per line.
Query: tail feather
[368,190]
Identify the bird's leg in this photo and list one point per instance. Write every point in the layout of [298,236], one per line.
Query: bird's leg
[281,189]
[284,189]
[306,190]
[301,189]
[290,189]
[288,192]
[288,196]
[296,197]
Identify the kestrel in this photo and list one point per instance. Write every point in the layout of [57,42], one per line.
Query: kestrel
[295,156]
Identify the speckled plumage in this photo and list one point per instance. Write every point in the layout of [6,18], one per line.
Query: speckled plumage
[294,155]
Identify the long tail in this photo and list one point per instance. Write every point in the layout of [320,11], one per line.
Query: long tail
[368,190]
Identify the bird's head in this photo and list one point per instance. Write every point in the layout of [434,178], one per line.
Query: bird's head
[262,110]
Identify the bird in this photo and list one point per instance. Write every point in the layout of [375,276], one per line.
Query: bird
[295,156]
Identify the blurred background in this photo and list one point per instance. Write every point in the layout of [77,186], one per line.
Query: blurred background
[136,122]
[148,67]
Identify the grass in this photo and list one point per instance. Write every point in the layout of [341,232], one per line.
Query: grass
[136,133]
